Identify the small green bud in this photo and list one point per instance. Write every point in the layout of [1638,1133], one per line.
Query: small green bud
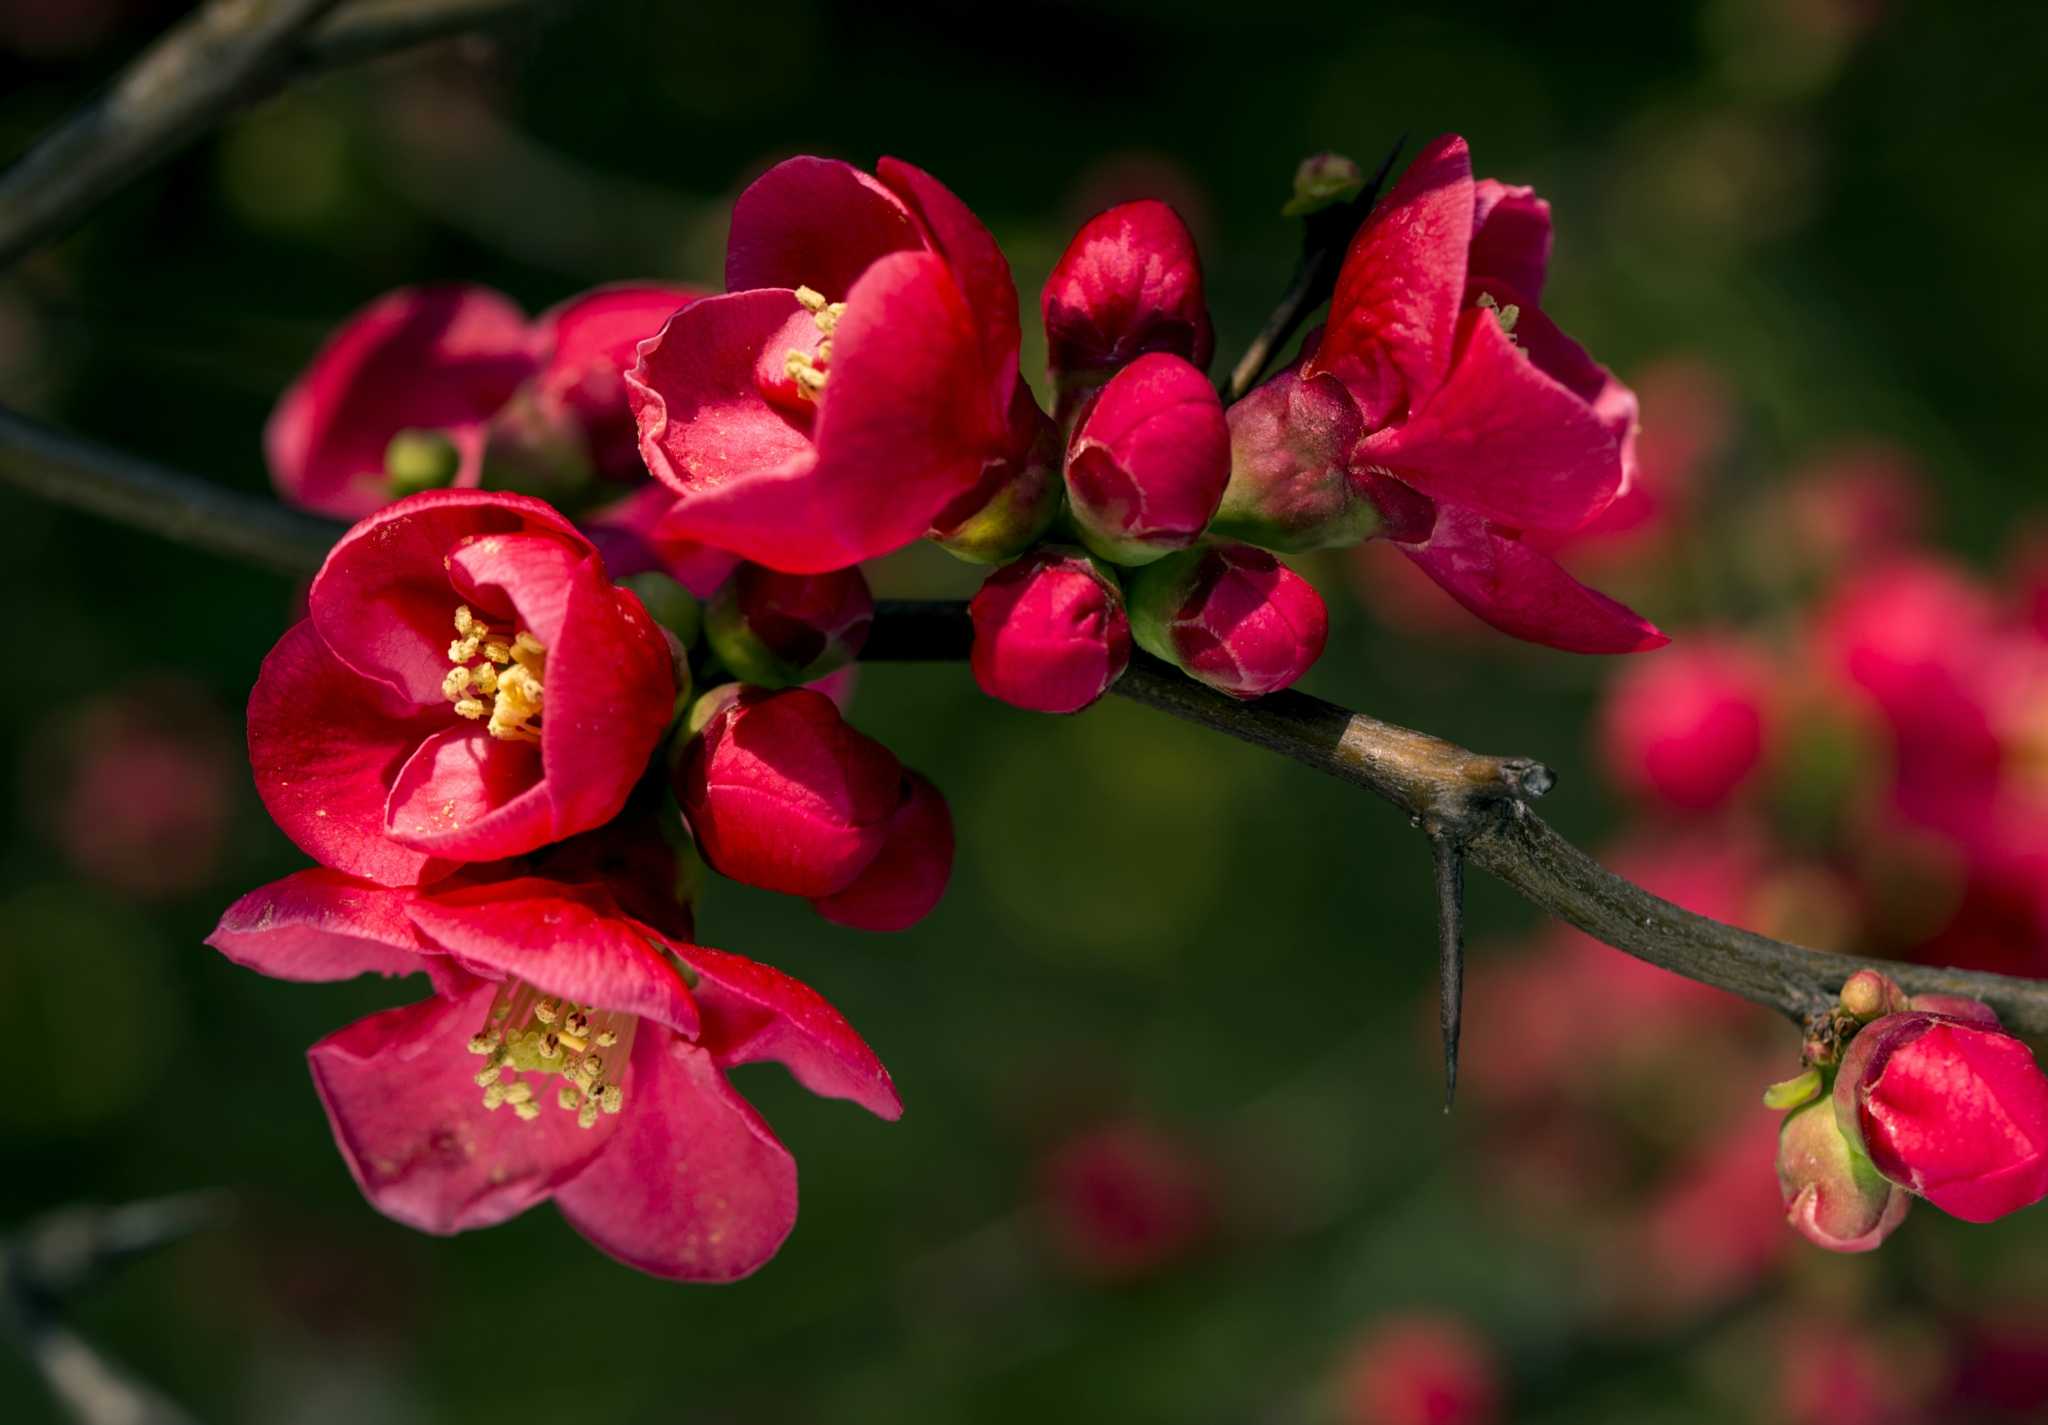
[418,460]
[1322,181]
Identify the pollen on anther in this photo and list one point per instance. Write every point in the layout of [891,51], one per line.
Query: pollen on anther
[586,1116]
[527,1111]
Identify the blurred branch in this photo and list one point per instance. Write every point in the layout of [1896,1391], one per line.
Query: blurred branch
[65,470]
[1325,237]
[224,54]
[1476,804]
[52,1259]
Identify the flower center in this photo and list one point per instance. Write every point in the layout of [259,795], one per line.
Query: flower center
[527,1032]
[807,369]
[496,677]
[1508,315]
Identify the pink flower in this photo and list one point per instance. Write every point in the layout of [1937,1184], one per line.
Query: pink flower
[1126,1200]
[1148,462]
[446,368]
[1689,728]
[782,794]
[774,630]
[1421,1369]
[1833,1197]
[1130,283]
[400,727]
[1050,632]
[570,1051]
[856,380]
[1481,418]
[1230,615]
[1952,1110]
[908,876]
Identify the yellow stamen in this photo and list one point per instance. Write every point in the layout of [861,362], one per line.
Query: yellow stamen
[518,1040]
[496,678]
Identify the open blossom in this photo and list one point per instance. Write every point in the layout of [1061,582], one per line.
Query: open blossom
[857,379]
[467,685]
[422,387]
[1951,1108]
[1479,418]
[571,1051]
[1129,283]
[1050,631]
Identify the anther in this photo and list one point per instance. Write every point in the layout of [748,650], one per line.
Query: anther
[494,1096]
[586,1116]
[546,1010]
[527,1111]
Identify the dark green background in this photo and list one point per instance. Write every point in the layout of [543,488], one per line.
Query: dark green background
[1143,917]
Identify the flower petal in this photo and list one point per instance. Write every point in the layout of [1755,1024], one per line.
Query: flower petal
[694,1186]
[591,341]
[325,745]
[1510,238]
[1503,438]
[435,358]
[401,1095]
[978,266]
[631,537]
[1395,311]
[814,222]
[469,796]
[753,1012]
[1524,593]
[383,601]
[322,925]
[566,941]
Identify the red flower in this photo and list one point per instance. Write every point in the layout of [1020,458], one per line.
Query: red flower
[782,794]
[401,726]
[1127,1199]
[856,380]
[1148,462]
[1230,615]
[1689,728]
[1129,283]
[1421,1370]
[1050,632]
[1954,1110]
[570,1051]
[1481,418]
[445,366]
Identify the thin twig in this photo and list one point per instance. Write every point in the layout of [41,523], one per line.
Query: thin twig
[209,64]
[1326,236]
[1481,801]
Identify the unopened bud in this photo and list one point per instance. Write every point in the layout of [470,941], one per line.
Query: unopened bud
[1016,500]
[1323,180]
[417,460]
[1129,283]
[534,446]
[1050,632]
[1148,464]
[907,879]
[1833,1196]
[777,630]
[1232,616]
[1867,994]
[1290,484]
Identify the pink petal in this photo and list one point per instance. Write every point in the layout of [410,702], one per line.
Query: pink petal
[1510,238]
[1395,311]
[567,941]
[321,925]
[704,425]
[633,540]
[437,358]
[1504,439]
[817,223]
[468,796]
[906,881]
[1524,593]
[526,576]
[753,1012]
[383,601]
[978,266]
[1566,362]
[694,1186]
[401,1095]
[591,341]
[325,745]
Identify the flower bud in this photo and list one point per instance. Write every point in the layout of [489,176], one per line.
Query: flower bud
[783,795]
[1871,994]
[1017,498]
[1833,1196]
[1050,632]
[1129,283]
[1148,464]
[902,884]
[1323,180]
[534,446]
[1230,615]
[777,630]
[1290,486]
[1421,1370]
[1688,727]
[417,460]
[1952,1110]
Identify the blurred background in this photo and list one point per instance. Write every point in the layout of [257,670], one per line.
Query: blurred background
[1173,1148]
